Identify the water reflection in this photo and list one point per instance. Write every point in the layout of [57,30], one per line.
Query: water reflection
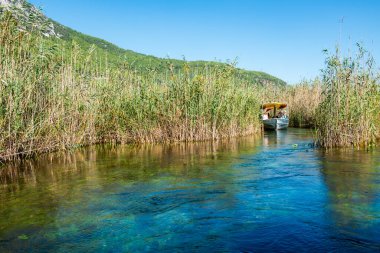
[140,162]
[272,192]
[135,180]
[287,137]
[352,178]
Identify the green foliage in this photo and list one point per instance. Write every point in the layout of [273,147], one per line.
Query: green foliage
[145,63]
[56,94]
[349,112]
[302,100]
[59,93]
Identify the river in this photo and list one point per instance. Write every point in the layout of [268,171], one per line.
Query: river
[268,193]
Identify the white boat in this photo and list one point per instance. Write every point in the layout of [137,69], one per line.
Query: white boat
[276,124]
[274,116]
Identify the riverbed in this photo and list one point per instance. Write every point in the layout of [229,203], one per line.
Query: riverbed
[263,193]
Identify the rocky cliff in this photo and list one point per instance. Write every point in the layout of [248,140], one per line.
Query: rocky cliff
[29,17]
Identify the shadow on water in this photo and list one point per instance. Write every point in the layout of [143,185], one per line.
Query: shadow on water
[273,192]
[353,181]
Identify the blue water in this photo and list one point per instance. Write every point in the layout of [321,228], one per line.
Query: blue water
[255,194]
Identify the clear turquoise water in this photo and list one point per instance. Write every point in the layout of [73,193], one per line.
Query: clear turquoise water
[251,194]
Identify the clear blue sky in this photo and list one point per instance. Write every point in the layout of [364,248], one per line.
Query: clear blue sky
[283,38]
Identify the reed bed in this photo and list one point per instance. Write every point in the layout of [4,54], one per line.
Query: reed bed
[343,107]
[55,95]
[302,99]
[348,114]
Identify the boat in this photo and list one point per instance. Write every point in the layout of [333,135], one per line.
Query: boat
[274,116]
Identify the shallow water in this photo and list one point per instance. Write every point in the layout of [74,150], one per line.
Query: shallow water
[249,194]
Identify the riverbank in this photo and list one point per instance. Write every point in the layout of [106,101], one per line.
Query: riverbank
[57,96]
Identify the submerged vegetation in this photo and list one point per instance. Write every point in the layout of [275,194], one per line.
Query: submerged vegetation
[58,94]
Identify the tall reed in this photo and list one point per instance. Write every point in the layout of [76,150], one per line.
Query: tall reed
[302,99]
[55,95]
[349,112]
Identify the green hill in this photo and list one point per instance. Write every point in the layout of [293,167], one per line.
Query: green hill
[31,17]
[144,62]
[62,89]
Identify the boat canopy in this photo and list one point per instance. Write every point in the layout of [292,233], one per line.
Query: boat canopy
[274,105]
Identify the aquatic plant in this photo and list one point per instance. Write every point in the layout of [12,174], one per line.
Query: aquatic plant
[348,114]
[302,99]
[56,95]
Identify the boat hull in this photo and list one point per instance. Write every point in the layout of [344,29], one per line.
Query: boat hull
[276,124]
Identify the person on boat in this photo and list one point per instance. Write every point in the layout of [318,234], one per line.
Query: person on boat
[266,114]
[284,114]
